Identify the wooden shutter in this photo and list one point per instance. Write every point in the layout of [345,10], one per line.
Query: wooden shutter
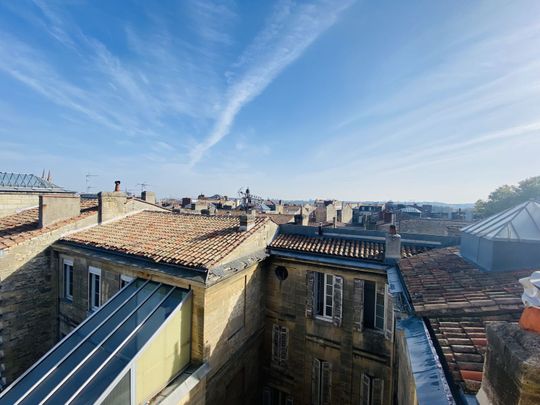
[358,305]
[310,283]
[366,389]
[283,346]
[326,383]
[378,391]
[337,301]
[275,343]
[267,396]
[388,315]
[315,381]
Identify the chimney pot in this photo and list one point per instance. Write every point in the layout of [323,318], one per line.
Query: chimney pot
[117,186]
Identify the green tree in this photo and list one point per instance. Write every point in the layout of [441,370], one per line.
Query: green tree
[506,196]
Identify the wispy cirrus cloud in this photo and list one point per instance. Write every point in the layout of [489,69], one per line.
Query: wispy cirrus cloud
[286,35]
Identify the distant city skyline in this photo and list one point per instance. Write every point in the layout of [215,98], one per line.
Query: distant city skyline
[368,101]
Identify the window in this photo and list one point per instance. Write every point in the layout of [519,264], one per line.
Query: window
[324,296]
[321,382]
[125,280]
[272,396]
[324,293]
[372,307]
[68,279]
[372,390]
[280,344]
[94,288]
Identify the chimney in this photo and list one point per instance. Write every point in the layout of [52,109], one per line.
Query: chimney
[148,196]
[54,208]
[111,205]
[392,250]
[247,221]
[301,219]
[512,366]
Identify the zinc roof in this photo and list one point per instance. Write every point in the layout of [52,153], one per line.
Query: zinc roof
[520,223]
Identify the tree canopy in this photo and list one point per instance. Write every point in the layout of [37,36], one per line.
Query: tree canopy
[508,196]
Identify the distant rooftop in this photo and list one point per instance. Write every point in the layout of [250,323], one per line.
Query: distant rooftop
[27,182]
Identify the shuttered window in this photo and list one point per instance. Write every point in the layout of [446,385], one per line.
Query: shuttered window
[324,296]
[372,390]
[280,345]
[321,382]
[377,311]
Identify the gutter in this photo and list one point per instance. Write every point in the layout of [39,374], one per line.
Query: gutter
[430,383]
[196,275]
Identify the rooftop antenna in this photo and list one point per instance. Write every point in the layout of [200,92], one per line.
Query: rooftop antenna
[87,179]
[249,201]
[143,186]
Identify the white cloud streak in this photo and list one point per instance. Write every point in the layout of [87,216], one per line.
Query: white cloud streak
[287,34]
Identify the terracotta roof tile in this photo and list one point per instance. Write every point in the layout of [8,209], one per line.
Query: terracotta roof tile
[459,299]
[196,241]
[440,281]
[463,344]
[22,226]
[348,248]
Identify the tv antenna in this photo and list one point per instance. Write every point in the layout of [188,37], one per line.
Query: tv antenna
[88,176]
[249,200]
[143,186]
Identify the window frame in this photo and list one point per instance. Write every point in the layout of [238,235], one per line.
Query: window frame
[67,278]
[379,302]
[323,295]
[92,273]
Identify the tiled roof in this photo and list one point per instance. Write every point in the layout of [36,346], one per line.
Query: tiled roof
[24,225]
[442,282]
[196,241]
[463,344]
[26,182]
[459,299]
[280,218]
[348,248]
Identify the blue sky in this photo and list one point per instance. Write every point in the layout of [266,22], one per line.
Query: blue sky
[370,100]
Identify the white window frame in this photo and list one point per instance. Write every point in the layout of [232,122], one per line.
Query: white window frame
[327,299]
[68,278]
[125,279]
[92,272]
[380,301]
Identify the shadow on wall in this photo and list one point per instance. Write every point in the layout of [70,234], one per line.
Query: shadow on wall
[234,322]
[28,308]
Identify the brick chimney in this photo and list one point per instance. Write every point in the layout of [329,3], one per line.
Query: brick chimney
[392,250]
[111,205]
[54,208]
[247,221]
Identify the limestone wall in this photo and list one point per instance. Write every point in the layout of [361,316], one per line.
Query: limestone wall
[10,203]
[28,324]
[351,353]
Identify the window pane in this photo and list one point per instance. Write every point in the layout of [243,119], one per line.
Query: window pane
[369,304]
